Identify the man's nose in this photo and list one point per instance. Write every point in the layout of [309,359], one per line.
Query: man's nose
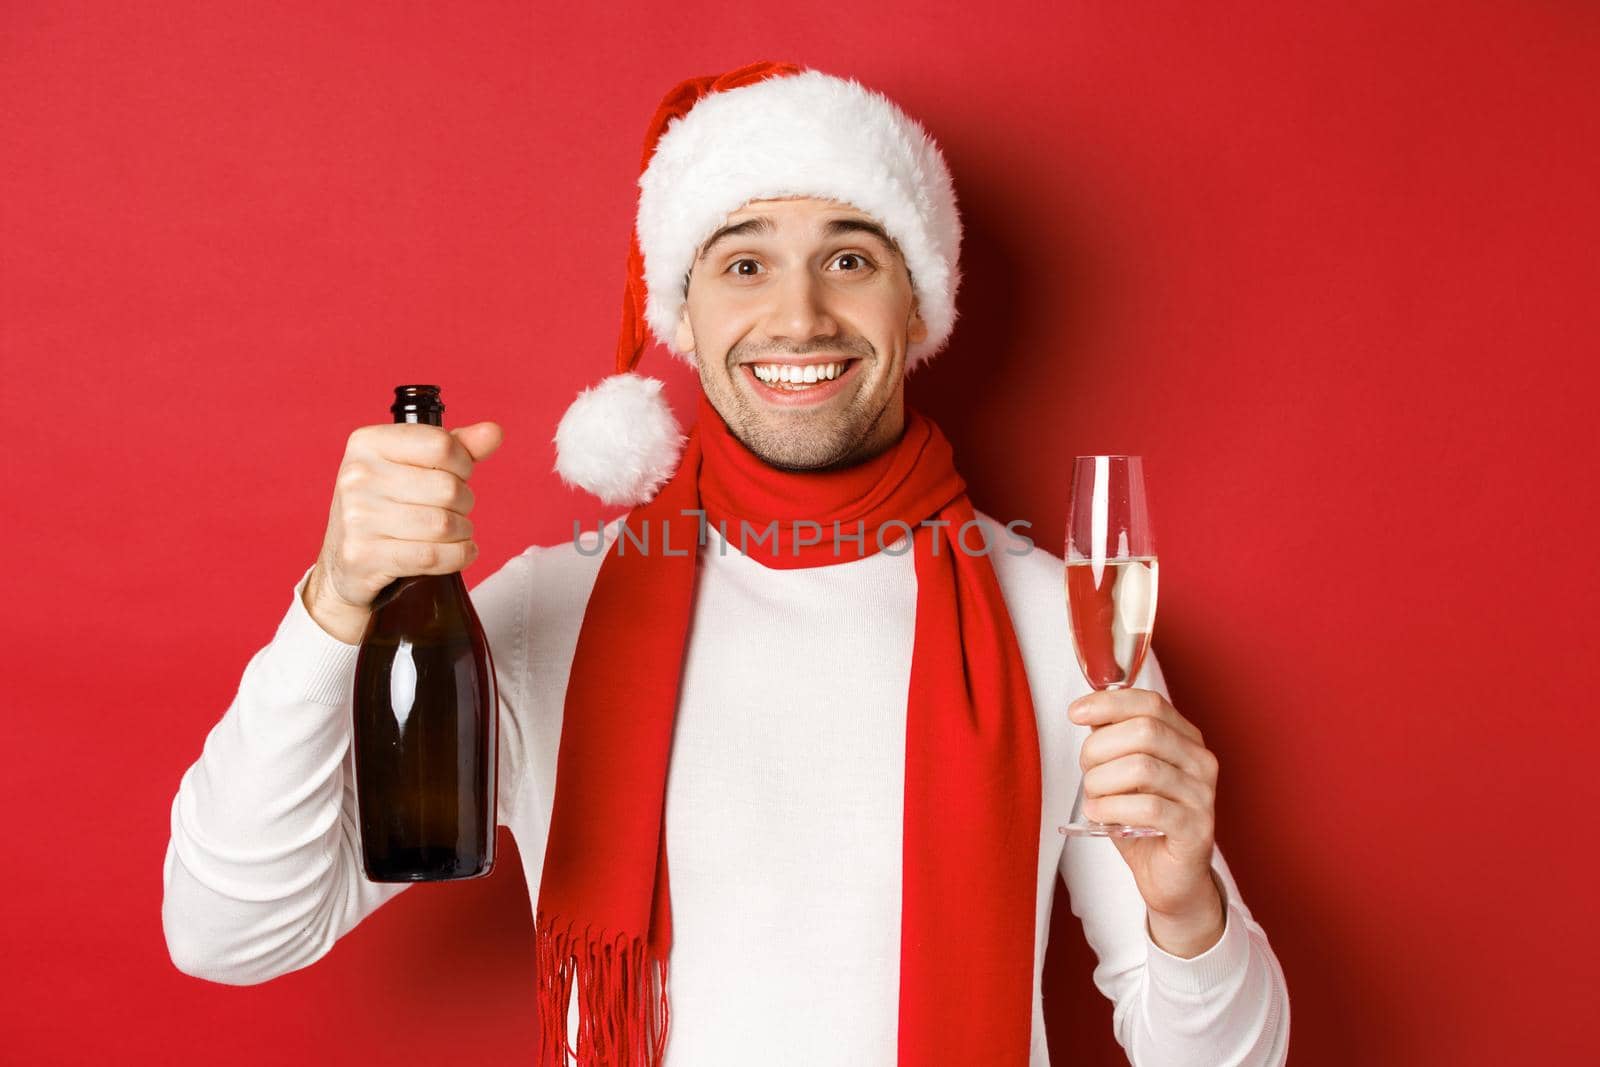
[800,309]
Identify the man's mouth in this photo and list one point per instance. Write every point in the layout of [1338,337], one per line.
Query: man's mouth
[800,382]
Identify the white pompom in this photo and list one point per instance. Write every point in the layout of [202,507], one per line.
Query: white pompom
[619,440]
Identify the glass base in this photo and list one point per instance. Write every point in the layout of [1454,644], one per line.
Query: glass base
[1090,828]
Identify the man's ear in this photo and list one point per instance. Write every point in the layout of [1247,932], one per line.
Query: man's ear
[683,336]
[916,330]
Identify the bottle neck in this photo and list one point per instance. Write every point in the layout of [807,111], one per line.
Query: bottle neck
[419,404]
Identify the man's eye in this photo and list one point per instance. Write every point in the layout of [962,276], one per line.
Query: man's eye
[860,262]
[736,264]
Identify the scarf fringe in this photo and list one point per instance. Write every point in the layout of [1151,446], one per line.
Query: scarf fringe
[616,1024]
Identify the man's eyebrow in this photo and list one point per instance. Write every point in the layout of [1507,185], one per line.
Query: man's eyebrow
[840,227]
[760,224]
[763,225]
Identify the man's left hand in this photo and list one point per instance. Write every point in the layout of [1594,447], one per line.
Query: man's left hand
[1146,765]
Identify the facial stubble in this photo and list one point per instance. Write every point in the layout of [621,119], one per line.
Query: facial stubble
[804,441]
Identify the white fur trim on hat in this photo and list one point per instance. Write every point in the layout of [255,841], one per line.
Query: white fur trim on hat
[619,440]
[807,134]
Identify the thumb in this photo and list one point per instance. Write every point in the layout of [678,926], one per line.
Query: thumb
[481,439]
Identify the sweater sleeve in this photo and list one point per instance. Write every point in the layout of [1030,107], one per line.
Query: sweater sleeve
[1227,1007]
[263,870]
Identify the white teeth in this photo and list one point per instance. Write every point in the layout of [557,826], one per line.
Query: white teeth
[786,373]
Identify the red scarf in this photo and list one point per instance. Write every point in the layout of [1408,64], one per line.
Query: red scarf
[972,776]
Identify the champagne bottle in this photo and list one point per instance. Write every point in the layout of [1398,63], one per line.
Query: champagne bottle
[425,720]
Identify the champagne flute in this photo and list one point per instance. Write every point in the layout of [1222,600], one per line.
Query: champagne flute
[1111,591]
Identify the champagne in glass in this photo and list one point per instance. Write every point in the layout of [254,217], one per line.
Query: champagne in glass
[1111,590]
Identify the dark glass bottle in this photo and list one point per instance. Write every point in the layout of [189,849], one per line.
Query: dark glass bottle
[425,720]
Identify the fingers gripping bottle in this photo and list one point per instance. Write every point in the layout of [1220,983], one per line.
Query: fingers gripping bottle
[425,720]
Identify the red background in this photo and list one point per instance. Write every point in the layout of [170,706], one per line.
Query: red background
[1330,269]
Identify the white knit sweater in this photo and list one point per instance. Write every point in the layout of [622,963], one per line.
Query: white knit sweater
[783,814]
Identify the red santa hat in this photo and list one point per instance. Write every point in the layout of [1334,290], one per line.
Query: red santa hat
[763,131]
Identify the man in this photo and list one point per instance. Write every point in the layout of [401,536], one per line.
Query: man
[796,730]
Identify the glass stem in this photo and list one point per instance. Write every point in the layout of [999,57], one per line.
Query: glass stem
[1077,807]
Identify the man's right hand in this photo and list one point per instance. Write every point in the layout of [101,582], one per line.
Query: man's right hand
[400,507]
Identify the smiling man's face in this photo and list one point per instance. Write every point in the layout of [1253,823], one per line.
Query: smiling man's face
[807,289]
